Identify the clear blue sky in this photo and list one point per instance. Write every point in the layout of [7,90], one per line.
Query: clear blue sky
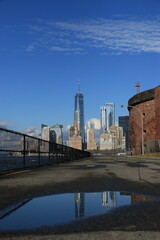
[46,46]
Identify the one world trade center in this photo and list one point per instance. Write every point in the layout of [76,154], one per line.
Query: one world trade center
[79,114]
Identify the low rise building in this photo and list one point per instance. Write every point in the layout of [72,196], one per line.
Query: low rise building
[113,139]
[91,142]
[75,140]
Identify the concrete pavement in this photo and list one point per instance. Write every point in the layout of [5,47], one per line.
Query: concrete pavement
[102,173]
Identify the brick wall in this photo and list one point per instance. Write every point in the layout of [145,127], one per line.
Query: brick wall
[75,142]
[149,105]
[157,111]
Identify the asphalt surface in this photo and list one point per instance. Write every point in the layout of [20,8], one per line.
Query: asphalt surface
[95,174]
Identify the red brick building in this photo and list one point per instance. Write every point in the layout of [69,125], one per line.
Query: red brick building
[75,140]
[148,103]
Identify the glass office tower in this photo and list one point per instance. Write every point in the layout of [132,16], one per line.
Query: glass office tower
[79,114]
[124,123]
[103,119]
[111,116]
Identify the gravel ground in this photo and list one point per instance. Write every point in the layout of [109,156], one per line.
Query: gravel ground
[103,173]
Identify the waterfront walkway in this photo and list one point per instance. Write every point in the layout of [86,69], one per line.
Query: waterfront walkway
[96,174]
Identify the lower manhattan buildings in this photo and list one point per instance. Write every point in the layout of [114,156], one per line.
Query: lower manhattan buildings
[144,109]
[111,136]
[113,139]
[101,134]
[52,134]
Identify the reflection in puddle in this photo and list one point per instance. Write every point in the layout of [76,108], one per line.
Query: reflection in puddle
[63,208]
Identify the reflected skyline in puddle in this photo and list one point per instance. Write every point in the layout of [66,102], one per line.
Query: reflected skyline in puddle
[63,208]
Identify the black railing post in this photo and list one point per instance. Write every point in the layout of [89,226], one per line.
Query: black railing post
[39,143]
[24,151]
[49,159]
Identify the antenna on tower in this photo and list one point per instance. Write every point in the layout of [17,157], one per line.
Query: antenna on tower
[79,86]
[137,86]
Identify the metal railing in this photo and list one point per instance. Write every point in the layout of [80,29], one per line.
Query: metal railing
[21,151]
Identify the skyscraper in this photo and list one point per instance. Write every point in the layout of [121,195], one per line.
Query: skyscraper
[107,120]
[45,132]
[124,123]
[57,128]
[45,135]
[111,116]
[103,119]
[79,114]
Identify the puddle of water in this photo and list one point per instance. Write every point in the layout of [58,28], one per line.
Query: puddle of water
[63,208]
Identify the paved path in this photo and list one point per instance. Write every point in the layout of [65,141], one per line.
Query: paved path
[103,173]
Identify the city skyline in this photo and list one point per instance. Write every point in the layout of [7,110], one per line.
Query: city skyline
[47,46]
